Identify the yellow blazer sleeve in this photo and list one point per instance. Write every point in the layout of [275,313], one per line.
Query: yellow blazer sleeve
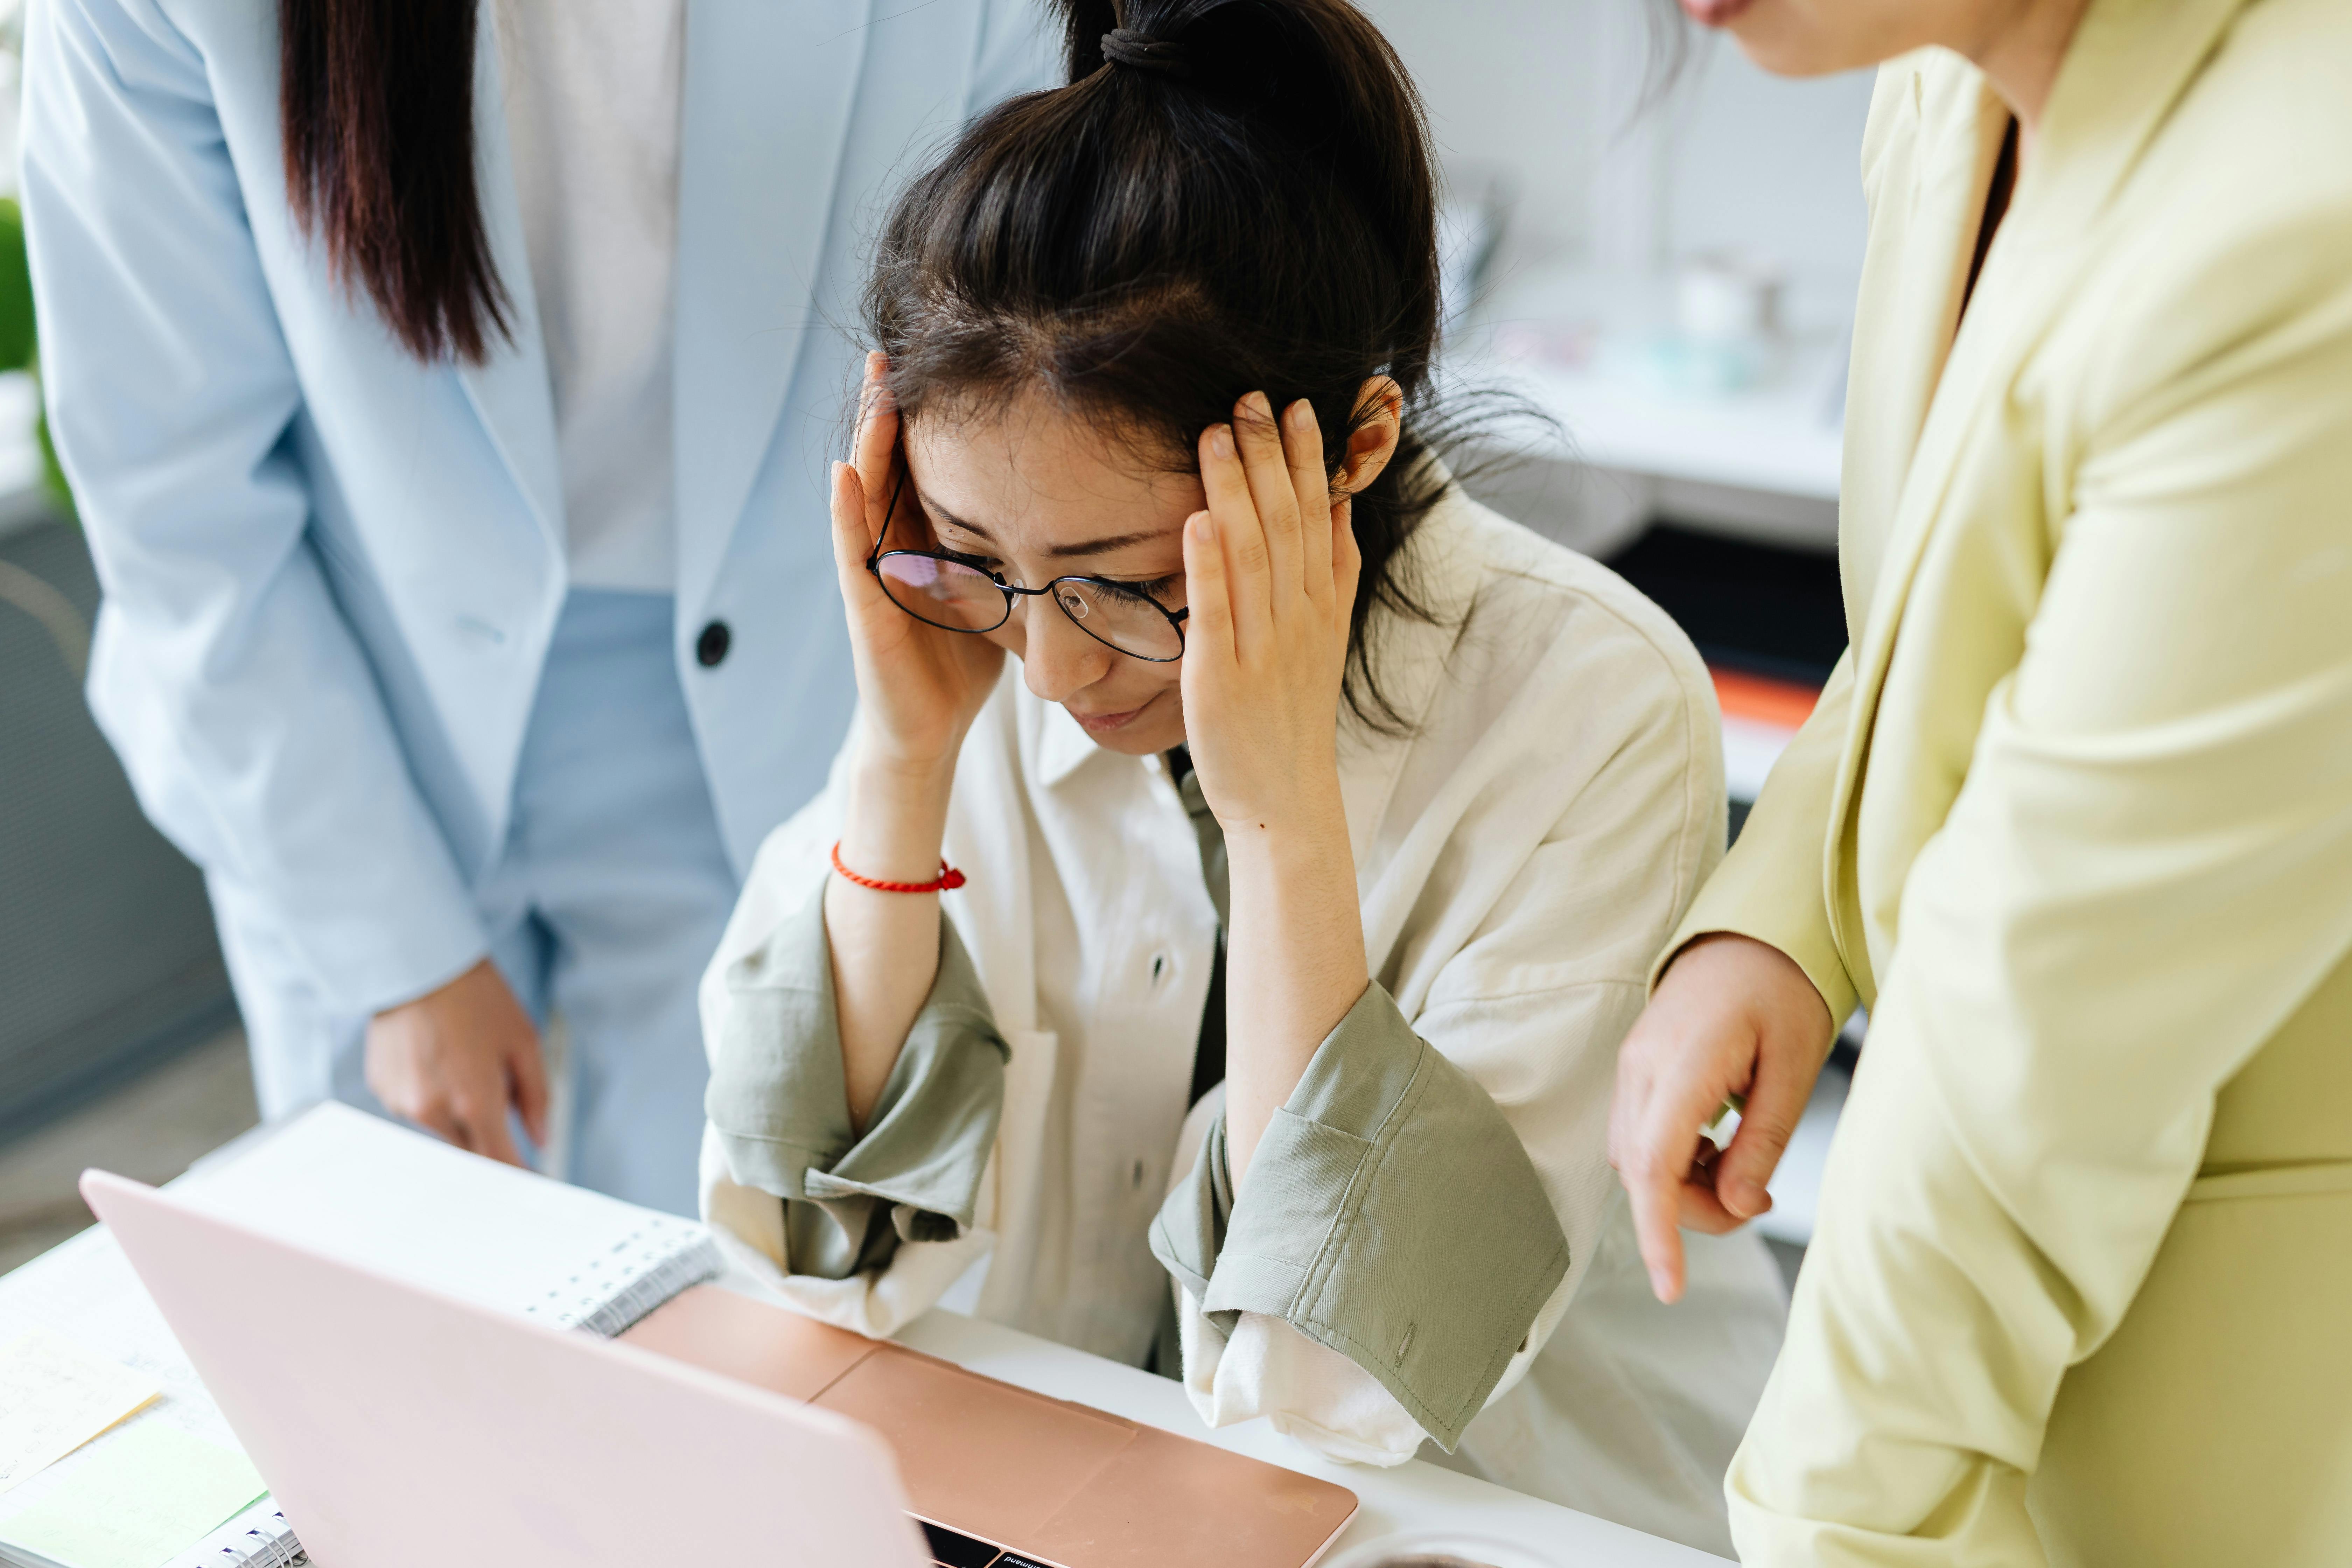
[2142,878]
[1773,884]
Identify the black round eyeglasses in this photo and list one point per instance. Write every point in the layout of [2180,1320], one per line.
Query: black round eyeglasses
[955,595]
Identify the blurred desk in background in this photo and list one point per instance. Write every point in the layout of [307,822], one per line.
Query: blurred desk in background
[1634,418]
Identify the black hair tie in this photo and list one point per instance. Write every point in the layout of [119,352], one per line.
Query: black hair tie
[1126,46]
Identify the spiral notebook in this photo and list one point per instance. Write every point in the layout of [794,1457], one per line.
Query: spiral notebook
[340,1182]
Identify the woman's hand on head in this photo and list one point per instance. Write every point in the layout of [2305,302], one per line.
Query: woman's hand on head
[919,687]
[1270,571]
[1731,1016]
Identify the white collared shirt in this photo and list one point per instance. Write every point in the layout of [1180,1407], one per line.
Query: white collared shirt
[1521,857]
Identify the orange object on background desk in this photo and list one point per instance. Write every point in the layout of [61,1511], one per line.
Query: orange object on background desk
[1763,700]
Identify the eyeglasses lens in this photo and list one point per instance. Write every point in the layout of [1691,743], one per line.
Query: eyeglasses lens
[959,598]
[1128,621]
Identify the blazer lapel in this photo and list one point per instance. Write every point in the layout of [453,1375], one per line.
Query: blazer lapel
[2130,61]
[509,390]
[1927,185]
[770,89]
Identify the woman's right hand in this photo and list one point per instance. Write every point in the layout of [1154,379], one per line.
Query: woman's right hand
[1731,1016]
[918,687]
[456,1060]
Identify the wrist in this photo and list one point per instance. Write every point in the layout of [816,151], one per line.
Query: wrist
[895,819]
[882,765]
[1301,870]
[1303,833]
[1309,812]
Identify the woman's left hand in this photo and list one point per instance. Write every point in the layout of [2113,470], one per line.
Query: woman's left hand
[1270,573]
[1270,576]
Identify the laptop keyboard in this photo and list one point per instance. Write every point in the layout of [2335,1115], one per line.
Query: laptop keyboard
[951,1550]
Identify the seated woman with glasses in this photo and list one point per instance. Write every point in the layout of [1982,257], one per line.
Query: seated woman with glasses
[1231,981]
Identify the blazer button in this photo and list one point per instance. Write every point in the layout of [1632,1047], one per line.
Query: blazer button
[711,646]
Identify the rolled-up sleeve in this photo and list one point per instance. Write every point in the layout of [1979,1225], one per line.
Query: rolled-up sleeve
[1390,1215]
[778,1109]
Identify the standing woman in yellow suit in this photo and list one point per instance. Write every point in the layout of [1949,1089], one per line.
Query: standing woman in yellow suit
[2074,818]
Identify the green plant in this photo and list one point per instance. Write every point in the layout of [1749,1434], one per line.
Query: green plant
[20,338]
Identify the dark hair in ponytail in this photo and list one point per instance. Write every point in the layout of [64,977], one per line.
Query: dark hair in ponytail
[376,112]
[1230,195]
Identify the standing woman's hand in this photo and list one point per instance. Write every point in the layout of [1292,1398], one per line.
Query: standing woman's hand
[1731,1016]
[458,1059]
[1270,573]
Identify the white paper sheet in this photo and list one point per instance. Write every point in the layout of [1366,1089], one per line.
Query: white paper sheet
[55,1396]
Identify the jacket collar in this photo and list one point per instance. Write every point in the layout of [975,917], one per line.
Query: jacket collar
[763,168]
[770,92]
[509,390]
[2130,62]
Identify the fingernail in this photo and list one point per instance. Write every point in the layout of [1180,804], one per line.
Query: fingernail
[1220,441]
[1301,416]
[1257,402]
[1205,524]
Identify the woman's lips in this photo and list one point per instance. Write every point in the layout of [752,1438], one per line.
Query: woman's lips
[1103,723]
[1713,13]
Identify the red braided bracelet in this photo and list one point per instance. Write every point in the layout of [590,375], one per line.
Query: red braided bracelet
[949,878]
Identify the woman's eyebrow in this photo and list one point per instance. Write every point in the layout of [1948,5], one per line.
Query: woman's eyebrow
[1054,552]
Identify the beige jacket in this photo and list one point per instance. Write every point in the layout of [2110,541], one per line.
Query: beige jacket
[2075,820]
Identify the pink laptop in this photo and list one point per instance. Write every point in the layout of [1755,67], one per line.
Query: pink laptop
[395,1425]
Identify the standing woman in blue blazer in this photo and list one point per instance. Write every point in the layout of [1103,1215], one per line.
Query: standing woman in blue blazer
[446,388]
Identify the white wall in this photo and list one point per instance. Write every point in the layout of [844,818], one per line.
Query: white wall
[1547,91]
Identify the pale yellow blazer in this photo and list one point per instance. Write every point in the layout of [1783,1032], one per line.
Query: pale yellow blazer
[2074,821]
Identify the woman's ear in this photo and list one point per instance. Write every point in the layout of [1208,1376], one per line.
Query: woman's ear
[1379,422]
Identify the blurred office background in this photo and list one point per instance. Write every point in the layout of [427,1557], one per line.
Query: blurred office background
[1660,268]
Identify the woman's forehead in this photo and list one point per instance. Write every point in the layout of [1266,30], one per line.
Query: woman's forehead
[1033,478]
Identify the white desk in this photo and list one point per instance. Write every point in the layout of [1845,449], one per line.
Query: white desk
[1415,1496]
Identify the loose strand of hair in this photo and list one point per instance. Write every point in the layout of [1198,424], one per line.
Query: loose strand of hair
[376,105]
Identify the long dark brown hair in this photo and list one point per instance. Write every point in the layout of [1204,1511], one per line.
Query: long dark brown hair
[377,111]
[1230,195]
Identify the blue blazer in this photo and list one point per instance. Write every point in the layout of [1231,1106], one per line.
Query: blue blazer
[330,570]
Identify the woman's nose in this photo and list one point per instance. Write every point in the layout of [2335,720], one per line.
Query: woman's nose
[1057,659]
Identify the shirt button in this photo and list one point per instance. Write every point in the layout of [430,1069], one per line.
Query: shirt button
[711,646]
